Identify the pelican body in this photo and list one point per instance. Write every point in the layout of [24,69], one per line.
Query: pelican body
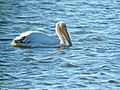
[38,39]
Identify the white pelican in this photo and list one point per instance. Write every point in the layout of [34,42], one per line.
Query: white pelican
[38,39]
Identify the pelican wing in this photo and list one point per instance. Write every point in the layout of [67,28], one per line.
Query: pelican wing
[33,38]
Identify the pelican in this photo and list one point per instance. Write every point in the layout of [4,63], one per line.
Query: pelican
[38,39]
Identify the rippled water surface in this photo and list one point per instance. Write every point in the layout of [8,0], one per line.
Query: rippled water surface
[93,62]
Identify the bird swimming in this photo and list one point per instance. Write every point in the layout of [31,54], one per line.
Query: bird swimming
[38,39]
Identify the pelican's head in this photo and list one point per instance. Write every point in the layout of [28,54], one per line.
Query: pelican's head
[63,30]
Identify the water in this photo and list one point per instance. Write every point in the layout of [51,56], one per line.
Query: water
[93,62]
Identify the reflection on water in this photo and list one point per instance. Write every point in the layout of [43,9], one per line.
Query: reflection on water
[91,63]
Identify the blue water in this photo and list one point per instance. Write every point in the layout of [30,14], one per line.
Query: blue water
[93,62]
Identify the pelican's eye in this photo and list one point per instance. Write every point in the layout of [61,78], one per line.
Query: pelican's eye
[63,25]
